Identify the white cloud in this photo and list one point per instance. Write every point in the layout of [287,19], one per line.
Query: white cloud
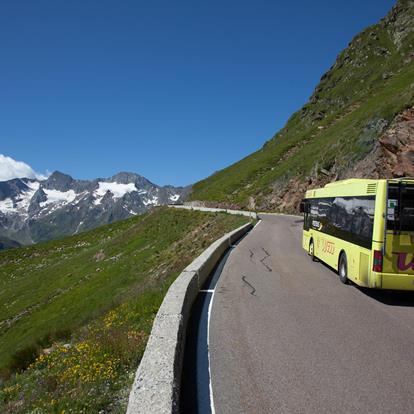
[10,168]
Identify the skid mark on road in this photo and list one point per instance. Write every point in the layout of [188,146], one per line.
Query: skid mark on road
[269,269]
[253,290]
[251,254]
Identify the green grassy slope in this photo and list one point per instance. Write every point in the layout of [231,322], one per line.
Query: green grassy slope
[370,83]
[85,304]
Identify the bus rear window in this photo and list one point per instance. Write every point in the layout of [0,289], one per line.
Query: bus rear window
[400,207]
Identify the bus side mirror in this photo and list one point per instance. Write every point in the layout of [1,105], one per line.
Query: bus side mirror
[302,207]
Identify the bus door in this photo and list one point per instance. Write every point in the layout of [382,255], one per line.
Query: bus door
[399,244]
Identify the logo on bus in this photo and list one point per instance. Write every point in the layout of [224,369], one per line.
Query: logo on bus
[402,261]
[328,247]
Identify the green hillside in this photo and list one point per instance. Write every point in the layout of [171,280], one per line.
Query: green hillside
[78,311]
[371,82]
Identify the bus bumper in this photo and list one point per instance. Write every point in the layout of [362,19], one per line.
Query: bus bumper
[397,281]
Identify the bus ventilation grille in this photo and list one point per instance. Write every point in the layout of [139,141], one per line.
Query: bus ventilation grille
[371,188]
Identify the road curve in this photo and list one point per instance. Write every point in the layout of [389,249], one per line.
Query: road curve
[287,337]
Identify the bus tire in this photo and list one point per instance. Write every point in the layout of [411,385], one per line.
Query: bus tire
[312,250]
[343,268]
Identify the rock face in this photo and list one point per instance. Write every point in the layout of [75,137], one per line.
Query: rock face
[33,210]
[391,157]
[397,146]
[6,243]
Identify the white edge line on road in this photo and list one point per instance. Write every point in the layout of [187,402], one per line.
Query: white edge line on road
[213,411]
[259,221]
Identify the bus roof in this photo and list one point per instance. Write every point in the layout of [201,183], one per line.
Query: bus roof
[352,187]
[351,181]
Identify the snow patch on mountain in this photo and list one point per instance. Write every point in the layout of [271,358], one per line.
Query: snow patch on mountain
[23,203]
[33,185]
[118,190]
[6,206]
[78,227]
[58,197]
[174,197]
[151,201]
[20,205]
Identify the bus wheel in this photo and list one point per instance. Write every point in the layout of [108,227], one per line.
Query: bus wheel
[312,250]
[343,268]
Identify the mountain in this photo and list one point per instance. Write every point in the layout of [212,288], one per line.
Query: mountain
[6,243]
[33,210]
[359,122]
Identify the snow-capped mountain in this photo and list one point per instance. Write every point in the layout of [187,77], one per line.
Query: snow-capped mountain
[33,210]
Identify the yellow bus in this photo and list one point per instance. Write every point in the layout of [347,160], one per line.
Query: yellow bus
[364,229]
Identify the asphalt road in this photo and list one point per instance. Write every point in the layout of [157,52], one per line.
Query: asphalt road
[287,337]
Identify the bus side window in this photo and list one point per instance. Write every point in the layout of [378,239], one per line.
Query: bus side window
[307,222]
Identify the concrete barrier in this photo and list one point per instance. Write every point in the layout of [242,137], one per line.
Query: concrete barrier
[251,214]
[156,388]
[257,215]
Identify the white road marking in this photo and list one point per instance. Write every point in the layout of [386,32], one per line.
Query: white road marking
[206,290]
[256,224]
[213,411]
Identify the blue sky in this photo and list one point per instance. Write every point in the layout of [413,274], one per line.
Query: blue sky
[172,90]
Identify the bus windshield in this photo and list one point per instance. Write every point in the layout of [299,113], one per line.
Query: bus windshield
[400,207]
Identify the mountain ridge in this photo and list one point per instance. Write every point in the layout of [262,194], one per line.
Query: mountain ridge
[33,210]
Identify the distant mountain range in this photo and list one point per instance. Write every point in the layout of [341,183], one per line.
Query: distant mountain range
[38,210]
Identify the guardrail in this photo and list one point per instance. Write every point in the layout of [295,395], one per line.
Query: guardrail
[156,388]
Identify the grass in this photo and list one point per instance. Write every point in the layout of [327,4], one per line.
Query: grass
[76,313]
[371,80]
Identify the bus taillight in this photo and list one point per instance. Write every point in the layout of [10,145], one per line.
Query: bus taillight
[377,266]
